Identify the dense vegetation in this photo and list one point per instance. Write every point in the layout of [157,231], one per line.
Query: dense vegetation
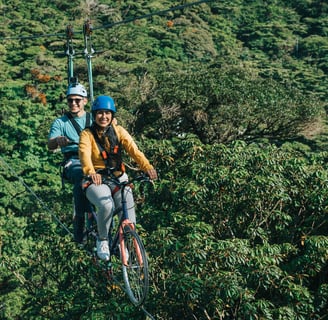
[228,99]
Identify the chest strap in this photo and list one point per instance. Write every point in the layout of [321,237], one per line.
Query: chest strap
[75,124]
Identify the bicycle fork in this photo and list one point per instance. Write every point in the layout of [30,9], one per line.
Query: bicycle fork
[130,225]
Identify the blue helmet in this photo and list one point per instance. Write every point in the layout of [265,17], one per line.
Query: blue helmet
[103,103]
[76,89]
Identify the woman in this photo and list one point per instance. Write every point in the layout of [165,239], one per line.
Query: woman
[106,137]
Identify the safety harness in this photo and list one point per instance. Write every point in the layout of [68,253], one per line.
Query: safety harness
[113,158]
[78,129]
[75,124]
[67,155]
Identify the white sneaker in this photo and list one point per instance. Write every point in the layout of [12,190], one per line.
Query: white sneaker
[103,250]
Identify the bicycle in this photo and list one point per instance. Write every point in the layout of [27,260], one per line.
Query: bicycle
[125,246]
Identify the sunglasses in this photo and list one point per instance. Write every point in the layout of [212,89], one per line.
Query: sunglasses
[77,100]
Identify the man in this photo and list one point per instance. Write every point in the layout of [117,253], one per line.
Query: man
[65,133]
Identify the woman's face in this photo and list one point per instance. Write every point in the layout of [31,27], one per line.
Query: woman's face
[103,118]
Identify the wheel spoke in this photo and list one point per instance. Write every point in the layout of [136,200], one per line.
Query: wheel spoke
[135,272]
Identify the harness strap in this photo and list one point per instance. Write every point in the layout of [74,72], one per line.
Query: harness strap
[75,124]
[115,149]
[87,182]
[116,189]
[70,154]
[100,147]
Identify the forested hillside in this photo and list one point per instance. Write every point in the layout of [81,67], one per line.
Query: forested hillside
[228,100]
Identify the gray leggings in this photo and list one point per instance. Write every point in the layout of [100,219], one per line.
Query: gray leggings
[101,197]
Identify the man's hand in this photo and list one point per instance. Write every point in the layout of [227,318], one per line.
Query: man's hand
[60,141]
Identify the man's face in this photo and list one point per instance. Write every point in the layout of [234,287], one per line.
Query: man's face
[76,103]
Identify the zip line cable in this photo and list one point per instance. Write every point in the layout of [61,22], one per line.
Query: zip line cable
[87,32]
[149,315]
[157,13]
[110,25]
[13,173]
[58,35]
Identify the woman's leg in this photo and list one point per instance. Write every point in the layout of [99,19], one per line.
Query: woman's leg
[129,199]
[101,197]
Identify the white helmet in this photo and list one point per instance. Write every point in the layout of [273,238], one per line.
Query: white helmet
[76,89]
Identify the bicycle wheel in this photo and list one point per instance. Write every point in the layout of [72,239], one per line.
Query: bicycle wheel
[135,267]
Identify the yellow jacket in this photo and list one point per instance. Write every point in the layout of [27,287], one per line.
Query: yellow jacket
[91,159]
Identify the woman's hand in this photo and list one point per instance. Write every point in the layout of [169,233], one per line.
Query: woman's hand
[152,174]
[96,178]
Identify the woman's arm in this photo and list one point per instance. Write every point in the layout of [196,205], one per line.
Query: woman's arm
[85,153]
[133,151]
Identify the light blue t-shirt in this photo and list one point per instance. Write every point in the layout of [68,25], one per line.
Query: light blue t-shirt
[63,127]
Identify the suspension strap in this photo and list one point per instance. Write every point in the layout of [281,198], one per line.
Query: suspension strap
[88,52]
[70,52]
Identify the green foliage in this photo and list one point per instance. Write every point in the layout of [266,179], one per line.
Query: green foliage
[224,104]
[217,96]
[224,250]
[252,194]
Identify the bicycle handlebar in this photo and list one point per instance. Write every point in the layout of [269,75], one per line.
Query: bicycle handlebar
[106,179]
[142,177]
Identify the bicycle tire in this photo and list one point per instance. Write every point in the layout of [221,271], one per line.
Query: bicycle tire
[135,271]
